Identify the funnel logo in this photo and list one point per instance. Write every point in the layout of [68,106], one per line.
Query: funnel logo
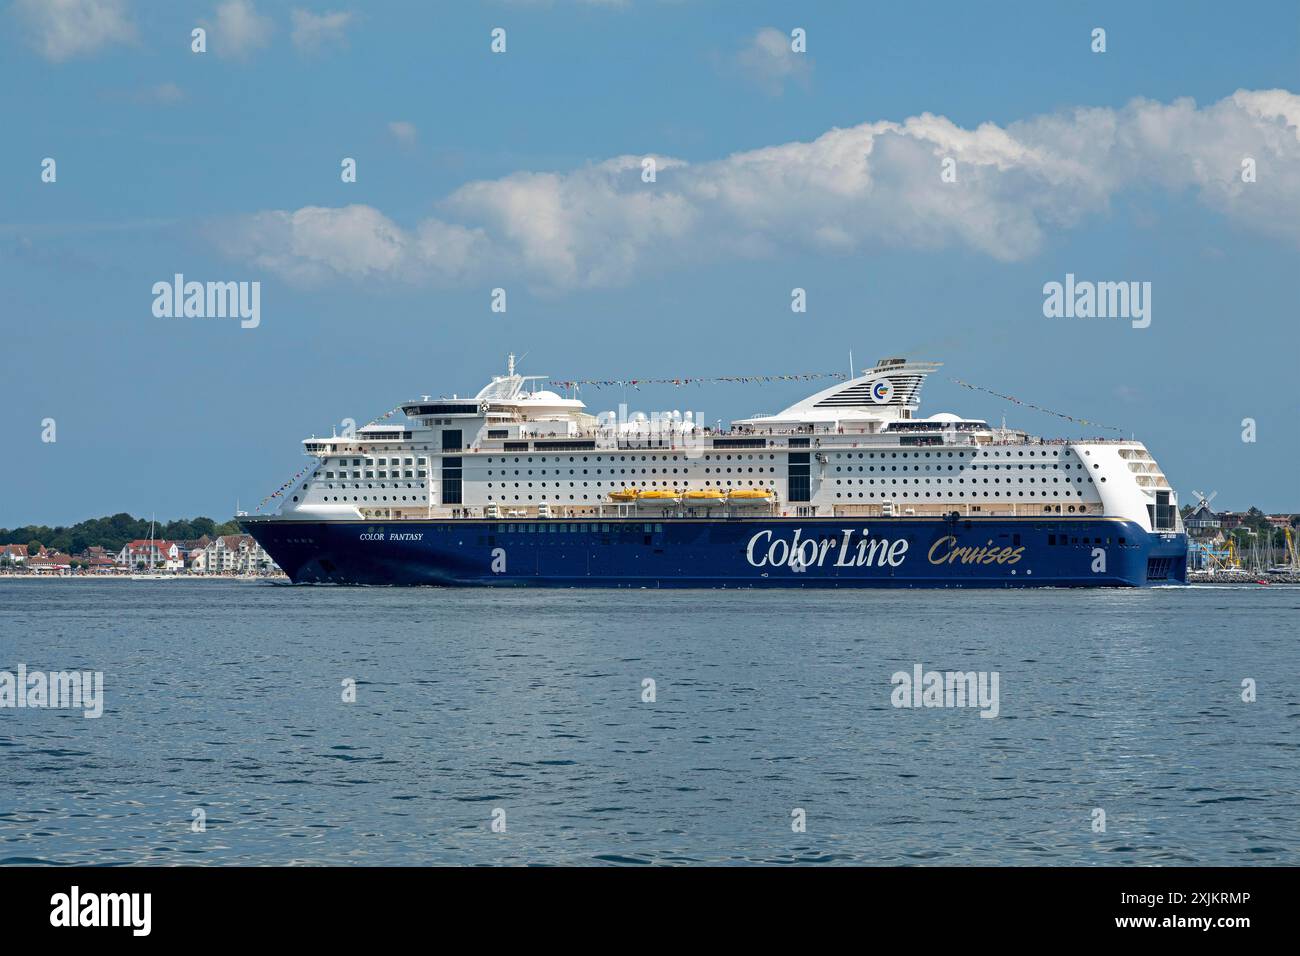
[882,391]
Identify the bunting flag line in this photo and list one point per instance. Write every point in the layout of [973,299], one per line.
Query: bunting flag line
[283,488]
[1037,408]
[384,417]
[695,380]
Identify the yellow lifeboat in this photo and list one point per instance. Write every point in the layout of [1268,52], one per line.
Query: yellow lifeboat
[658,496]
[627,494]
[706,497]
[750,496]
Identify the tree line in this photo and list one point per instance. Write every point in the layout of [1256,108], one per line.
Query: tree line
[111,533]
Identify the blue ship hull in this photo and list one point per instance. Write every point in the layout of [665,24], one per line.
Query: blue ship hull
[726,552]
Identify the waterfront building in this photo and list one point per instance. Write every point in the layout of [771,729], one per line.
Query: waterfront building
[153,554]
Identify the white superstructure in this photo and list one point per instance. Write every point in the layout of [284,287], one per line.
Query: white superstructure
[857,448]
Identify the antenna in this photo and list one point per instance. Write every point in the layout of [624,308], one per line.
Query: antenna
[851,366]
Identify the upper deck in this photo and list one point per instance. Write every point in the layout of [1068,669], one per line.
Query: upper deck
[856,448]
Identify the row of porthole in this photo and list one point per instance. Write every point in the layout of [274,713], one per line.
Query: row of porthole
[665,458]
[633,471]
[872,494]
[345,485]
[960,481]
[961,494]
[643,484]
[413,498]
[937,454]
[976,467]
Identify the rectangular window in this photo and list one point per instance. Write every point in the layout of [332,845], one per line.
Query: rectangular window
[564,445]
[799,485]
[451,479]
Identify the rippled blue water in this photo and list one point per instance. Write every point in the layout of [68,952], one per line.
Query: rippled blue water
[226,696]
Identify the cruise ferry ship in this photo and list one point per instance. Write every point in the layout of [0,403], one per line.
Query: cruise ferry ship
[850,487]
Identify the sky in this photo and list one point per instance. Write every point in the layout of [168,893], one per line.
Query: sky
[775,169]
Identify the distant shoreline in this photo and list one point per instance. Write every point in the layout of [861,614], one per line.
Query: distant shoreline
[184,576]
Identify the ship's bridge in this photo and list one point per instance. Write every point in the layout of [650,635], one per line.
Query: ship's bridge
[509,397]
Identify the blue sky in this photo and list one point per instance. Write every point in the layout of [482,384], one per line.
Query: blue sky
[479,170]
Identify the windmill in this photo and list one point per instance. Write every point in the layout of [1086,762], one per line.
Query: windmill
[1213,558]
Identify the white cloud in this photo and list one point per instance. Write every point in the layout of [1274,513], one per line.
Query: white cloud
[404,132]
[354,242]
[313,33]
[769,61]
[61,29]
[239,29]
[868,186]
[588,227]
